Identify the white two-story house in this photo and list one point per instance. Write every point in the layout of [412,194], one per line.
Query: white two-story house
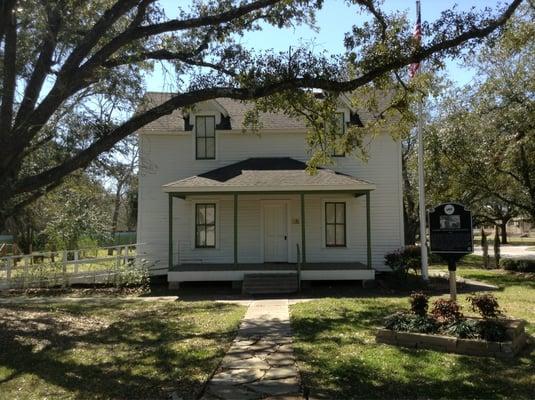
[218,204]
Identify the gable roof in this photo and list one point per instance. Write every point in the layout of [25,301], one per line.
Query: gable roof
[235,111]
[273,174]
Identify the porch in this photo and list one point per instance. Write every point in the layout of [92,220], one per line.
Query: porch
[288,209]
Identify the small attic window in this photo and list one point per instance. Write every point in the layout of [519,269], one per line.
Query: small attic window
[340,131]
[205,137]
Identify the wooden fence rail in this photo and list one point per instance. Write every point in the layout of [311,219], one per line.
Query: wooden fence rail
[63,268]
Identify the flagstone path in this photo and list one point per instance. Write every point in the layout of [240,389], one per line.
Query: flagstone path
[260,363]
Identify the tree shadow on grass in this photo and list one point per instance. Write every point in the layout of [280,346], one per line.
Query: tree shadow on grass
[144,354]
[466,377]
[342,361]
[313,328]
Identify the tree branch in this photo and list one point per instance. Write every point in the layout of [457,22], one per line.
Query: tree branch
[42,66]
[10,74]
[84,157]
[207,20]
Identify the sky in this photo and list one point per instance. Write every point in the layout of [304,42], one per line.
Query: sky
[333,21]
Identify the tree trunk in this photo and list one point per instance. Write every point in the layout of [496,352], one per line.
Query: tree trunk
[411,227]
[503,228]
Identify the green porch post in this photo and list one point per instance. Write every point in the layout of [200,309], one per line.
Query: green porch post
[170,231]
[303,245]
[235,229]
[368,230]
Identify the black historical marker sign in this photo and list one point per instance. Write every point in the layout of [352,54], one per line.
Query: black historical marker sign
[450,230]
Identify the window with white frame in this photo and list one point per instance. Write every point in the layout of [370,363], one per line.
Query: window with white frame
[205,137]
[340,131]
[335,224]
[205,229]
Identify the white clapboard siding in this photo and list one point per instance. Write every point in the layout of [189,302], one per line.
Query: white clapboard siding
[169,157]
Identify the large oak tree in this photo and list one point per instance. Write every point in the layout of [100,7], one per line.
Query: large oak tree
[71,71]
[481,145]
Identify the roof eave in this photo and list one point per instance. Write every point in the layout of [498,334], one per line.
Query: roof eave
[364,187]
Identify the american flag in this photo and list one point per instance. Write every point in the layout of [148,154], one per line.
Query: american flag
[417,35]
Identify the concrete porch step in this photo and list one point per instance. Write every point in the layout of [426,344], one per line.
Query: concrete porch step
[270,283]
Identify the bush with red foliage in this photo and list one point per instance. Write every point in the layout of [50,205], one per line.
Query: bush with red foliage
[419,303]
[486,305]
[446,311]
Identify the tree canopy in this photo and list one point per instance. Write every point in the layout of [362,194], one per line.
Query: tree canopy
[481,146]
[71,71]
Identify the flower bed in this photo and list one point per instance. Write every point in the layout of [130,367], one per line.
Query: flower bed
[445,328]
[516,339]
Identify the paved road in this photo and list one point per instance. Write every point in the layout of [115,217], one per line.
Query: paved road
[509,251]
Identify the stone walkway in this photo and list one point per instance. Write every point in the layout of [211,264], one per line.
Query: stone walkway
[260,363]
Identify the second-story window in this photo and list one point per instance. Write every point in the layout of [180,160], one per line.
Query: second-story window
[205,137]
[340,131]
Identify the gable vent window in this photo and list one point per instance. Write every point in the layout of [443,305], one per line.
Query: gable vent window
[340,131]
[205,137]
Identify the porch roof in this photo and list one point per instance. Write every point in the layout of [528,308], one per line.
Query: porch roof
[274,174]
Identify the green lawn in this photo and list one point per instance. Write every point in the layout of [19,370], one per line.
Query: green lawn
[338,356]
[511,240]
[112,349]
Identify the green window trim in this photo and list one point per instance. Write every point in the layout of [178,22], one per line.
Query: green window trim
[205,139]
[342,116]
[203,226]
[335,224]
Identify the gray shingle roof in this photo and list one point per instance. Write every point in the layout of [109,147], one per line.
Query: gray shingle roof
[236,110]
[268,174]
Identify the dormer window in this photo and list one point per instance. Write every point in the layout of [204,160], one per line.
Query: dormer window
[205,137]
[340,131]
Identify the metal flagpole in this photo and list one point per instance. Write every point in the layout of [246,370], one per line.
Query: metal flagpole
[421,194]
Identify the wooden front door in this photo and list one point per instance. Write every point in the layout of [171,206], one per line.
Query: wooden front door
[275,232]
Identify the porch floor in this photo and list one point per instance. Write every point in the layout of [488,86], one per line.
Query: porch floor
[344,266]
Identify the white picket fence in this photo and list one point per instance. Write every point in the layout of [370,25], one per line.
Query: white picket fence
[68,267]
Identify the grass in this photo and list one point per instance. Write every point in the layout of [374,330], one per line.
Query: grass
[338,356]
[112,349]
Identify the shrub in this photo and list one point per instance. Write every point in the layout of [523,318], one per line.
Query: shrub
[509,264]
[486,305]
[446,311]
[419,303]
[423,324]
[492,330]
[401,260]
[517,264]
[399,321]
[463,328]
[526,266]
[405,322]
